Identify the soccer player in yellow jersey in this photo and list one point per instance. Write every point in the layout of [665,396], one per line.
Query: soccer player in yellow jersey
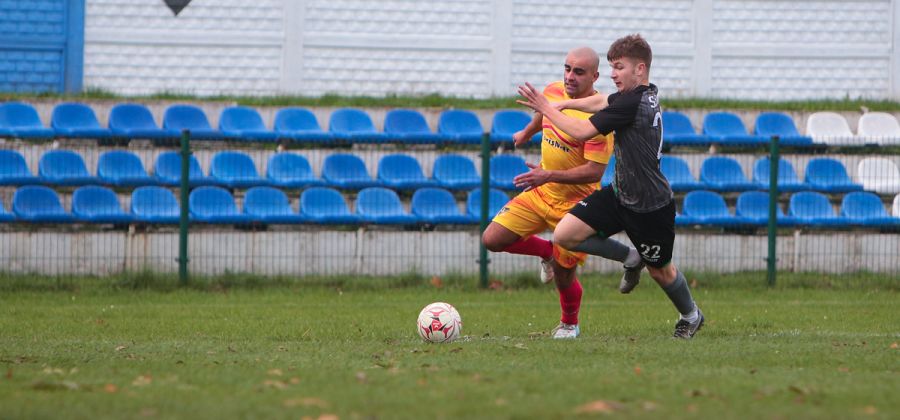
[568,172]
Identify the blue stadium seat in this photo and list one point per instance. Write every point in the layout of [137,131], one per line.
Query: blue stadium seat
[682,220]
[327,206]
[724,174]
[235,170]
[95,204]
[6,216]
[754,207]
[244,123]
[14,170]
[829,175]
[496,200]
[155,205]
[20,120]
[354,126]
[437,206]
[134,121]
[270,205]
[709,208]
[347,171]
[167,170]
[504,169]
[609,174]
[37,203]
[676,170]
[814,209]
[382,206]
[787,176]
[300,125]
[507,123]
[215,205]
[460,126]
[402,172]
[122,168]
[64,167]
[678,131]
[409,126]
[770,124]
[291,170]
[727,128]
[77,121]
[455,172]
[866,209]
[190,117]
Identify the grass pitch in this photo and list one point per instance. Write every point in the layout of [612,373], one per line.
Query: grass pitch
[88,350]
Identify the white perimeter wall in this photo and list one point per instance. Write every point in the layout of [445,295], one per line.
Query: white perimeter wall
[762,49]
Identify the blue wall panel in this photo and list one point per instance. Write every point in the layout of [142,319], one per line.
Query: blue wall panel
[41,45]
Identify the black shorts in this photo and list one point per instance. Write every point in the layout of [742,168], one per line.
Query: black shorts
[652,233]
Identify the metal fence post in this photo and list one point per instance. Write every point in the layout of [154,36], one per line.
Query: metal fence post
[483,260]
[183,222]
[773,213]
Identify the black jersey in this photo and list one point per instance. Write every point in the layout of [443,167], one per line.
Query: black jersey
[636,118]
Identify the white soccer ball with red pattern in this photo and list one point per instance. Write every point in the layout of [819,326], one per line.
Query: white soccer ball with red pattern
[439,322]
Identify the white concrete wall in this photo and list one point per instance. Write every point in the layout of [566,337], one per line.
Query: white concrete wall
[760,49]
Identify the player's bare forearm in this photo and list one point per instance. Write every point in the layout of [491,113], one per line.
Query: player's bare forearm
[592,104]
[584,174]
[579,129]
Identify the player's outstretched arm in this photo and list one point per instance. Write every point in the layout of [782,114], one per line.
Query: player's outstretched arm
[579,129]
[524,135]
[592,104]
[537,176]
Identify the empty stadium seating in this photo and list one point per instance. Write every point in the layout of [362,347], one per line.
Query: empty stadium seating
[64,167]
[167,170]
[678,131]
[455,172]
[39,204]
[437,206]
[829,175]
[326,206]
[382,206]
[709,208]
[787,176]
[865,208]
[460,126]
[830,128]
[727,128]
[77,121]
[724,174]
[402,172]
[879,128]
[409,126]
[769,124]
[504,169]
[496,200]
[879,174]
[14,170]
[215,205]
[190,117]
[300,125]
[234,170]
[354,126]
[813,209]
[6,216]
[20,120]
[134,121]
[506,123]
[678,174]
[244,123]
[122,168]
[154,205]
[290,170]
[753,206]
[347,171]
[270,205]
[98,205]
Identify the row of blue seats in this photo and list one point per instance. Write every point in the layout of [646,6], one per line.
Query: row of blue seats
[399,171]
[134,121]
[806,208]
[95,204]
[210,204]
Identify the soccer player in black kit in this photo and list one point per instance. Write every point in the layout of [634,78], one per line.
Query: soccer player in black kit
[640,201]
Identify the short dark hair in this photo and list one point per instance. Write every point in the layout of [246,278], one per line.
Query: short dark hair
[631,46]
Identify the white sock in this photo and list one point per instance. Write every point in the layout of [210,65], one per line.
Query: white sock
[633,258]
[693,316]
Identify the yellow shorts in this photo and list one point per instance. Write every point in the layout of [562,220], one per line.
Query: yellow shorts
[530,213]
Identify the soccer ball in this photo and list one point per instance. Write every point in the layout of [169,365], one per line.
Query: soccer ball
[439,322]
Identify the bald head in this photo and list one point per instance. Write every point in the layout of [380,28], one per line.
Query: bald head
[581,72]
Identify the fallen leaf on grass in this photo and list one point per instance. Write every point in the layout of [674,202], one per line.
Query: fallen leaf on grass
[456,350]
[599,406]
[870,410]
[843,369]
[638,370]
[437,282]
[328,416]
[271,383]
[9,373]
[894,345]
[692,408]
[520,346]
[496,285]
[799,390]
[110,388]
[275,372]
[142,380]
[361,377]
[120,348]
[649,406]
[306,402]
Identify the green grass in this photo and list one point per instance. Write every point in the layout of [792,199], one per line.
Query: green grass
[94,348]
[439,101]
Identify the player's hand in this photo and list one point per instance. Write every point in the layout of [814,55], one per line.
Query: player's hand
[534,178]
[520,137]
[533,99]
